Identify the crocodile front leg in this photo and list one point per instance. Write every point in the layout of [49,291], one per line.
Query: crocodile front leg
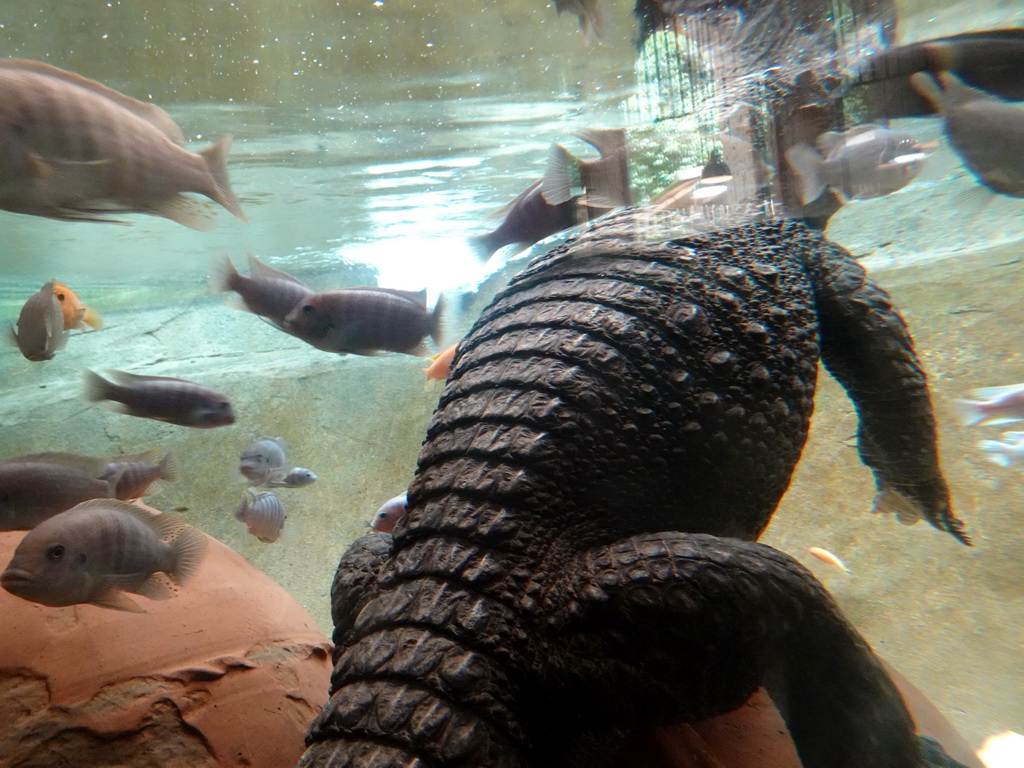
[698,623]
[866,345]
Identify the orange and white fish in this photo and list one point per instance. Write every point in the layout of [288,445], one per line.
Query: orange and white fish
[40,332]
[440,366]
[75,312]
[828,557]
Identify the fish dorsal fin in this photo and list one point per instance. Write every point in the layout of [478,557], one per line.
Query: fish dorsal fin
[151,113]
[556,187]
[607,141]
[91,464]
[137,378]
[164,524]
[258,270]
[150,456]
[501,213]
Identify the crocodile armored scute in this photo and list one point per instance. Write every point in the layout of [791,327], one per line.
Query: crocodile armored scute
[579,560]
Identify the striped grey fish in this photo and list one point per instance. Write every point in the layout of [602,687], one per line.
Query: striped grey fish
[40,330]
[163,398]
[38,486]
[267,292]
[365,321]
[262,457]
[97,551]
[138,473]
[263,515]
[76,150]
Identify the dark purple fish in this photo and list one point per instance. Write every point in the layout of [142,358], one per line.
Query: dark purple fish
[162,398]
[987,132]
[97,551]
[267,292]
[137,473]
[38,486]
[263,515]
[991,60]
[73,149]
[40,331]
[529,218]
[365,321]
[390,512]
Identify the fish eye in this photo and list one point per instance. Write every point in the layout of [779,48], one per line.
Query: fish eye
[55,553]
[60,297]
[308,309]
[224,405]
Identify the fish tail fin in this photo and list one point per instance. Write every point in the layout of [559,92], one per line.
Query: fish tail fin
[170,467]
[484,246]
[188,549]
[971,412]
[809,166]
[96,387]
[436,320]
[216,157]
[556,187]
[223,275]
[91,317]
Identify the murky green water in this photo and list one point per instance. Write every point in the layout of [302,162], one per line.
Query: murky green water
[370,138]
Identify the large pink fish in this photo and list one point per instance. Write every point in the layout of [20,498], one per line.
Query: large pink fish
[73,149]
[97,551]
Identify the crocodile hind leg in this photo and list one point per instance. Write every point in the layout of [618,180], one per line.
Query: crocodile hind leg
[697,623]
[866,345]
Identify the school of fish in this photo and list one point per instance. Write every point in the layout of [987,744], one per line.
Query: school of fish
[72,149]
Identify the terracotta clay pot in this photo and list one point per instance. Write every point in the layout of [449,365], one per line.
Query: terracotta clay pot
[754,736]
[229,672]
